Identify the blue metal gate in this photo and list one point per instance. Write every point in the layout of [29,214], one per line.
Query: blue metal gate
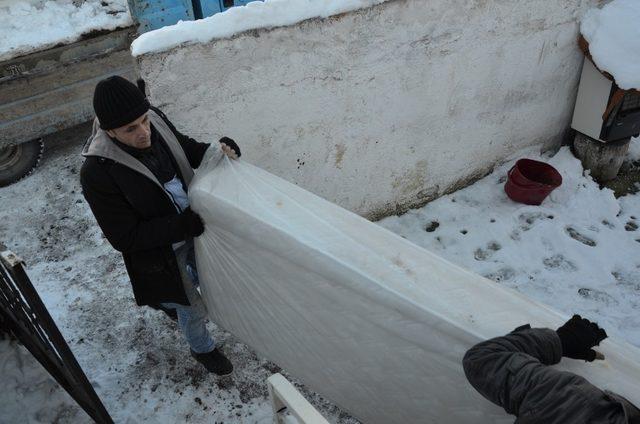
[154,14]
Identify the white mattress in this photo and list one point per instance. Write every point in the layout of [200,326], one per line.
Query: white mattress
[360,315]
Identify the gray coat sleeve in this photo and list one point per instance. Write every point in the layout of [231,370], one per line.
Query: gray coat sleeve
[513,372]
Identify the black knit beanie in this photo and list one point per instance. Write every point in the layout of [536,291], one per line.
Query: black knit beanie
[117,102]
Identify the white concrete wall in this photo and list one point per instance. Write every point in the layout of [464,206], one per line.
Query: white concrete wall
[383,108]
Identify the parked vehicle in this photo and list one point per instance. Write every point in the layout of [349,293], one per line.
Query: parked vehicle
[47,91]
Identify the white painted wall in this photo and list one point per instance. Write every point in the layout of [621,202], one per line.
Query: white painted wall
[382,108]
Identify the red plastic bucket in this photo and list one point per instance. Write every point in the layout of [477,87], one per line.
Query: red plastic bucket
[531,181]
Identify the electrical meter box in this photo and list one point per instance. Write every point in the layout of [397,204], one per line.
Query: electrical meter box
[603,111]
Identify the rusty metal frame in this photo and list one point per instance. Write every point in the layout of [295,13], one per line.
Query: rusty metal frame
[24,314]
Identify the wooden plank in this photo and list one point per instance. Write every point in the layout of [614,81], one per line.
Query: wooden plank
[67,113]
[283,393]
[52,90]
[44,61]
[33,85]
[39,72]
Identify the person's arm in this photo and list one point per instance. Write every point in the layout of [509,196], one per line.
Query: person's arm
[513,371]
[506,369]
[121,225]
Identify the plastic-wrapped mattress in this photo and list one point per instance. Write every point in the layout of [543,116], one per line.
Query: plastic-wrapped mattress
[371,321]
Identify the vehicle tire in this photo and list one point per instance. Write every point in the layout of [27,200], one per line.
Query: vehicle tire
[16,162]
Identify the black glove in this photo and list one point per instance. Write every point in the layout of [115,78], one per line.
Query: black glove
[578,336]
[192,223]
[229,142]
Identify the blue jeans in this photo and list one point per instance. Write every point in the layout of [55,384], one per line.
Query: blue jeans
[192,318]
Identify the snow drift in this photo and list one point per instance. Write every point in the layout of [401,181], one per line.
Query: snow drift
[35,25]
[613,34]
[361,315]
[256,14]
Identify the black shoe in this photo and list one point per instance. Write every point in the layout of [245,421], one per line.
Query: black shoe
[214,362]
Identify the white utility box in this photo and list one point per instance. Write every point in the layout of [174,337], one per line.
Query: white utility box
[603,111]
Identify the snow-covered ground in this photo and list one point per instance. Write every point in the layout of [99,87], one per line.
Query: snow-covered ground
[29,394]
[32,25]
[578,252]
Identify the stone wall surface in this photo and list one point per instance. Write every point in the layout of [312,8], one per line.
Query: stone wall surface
[383,108]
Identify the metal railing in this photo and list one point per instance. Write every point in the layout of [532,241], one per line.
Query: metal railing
[23,313]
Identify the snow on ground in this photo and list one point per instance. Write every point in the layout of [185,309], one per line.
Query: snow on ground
[257,14]
[32,25]
[29,394]
[135,357]
[578,252]
[613,34]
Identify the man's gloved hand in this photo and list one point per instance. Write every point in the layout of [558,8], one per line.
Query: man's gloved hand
[193,223]
[578,336]
[230,148]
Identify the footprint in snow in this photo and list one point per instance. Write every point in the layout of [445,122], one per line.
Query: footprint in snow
[503,274]
[597,295]
[575,234]
[432,226]
[558,262]
[528,219]
[494,246]
[486,253]
[631,226]
[626,280]
[608,224]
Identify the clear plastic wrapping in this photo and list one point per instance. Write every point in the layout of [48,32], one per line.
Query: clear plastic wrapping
[359,314]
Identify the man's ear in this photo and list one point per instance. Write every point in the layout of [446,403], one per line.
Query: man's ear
[110,133]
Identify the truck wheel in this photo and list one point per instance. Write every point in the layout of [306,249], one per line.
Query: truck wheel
[18,161]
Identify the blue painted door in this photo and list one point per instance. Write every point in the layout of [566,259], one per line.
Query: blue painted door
[211,7]
[241,2]
[154,14]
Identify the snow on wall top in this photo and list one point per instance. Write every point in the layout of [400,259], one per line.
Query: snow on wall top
[32,25]
[270,13]
[613,33]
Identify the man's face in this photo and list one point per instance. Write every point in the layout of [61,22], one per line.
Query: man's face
[135,134]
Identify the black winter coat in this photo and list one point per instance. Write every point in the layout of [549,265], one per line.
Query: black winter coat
[139,219]
[514,372]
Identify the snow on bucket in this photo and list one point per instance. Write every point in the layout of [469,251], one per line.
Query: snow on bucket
[530,181]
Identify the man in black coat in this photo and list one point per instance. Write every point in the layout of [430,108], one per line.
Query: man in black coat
[135,178]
